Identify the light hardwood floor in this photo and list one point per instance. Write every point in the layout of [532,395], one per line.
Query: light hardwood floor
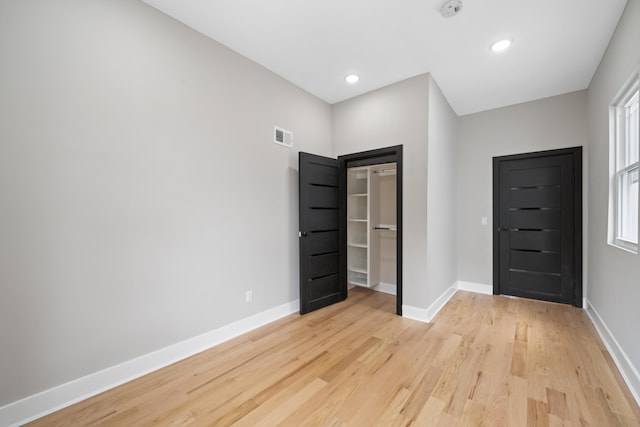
[484,361]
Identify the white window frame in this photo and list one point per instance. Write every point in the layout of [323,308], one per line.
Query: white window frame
[622,141]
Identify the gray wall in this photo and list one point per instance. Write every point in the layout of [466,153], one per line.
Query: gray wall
[556,122]
[614,274]
[394,115]
[441,195]
[141,192]
[413,113]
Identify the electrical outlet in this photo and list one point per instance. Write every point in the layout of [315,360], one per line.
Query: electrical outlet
[248,296]
[483,220]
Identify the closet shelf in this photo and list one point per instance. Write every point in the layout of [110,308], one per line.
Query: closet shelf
[358,195]
[357,219]
[358,283]
[363,174]
[358,270]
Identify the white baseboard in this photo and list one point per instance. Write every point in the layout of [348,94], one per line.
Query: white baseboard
[387,288]
[415,313]
[427,315]
[628,371]
[48,401]
[479,288]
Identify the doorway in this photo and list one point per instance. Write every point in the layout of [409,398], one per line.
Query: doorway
[324,219]
[537,217]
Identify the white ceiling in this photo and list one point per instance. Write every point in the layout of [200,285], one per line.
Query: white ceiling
[557,44]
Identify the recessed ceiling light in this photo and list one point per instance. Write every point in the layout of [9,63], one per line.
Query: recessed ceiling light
[501,45]
[352,78]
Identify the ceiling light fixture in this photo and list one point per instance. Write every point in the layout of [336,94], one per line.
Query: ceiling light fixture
[501,45]
[352,78]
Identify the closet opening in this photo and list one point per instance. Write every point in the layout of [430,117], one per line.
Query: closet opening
[373,220]
[350,225]
[372,227]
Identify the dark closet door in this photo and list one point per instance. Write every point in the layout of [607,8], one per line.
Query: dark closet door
[319,232]
[538,221]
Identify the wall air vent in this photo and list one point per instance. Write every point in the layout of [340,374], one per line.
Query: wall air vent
[282,137]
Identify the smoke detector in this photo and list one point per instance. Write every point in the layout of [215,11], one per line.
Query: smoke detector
[451,8]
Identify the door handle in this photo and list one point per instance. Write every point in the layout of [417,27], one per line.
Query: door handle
[302,234]
[503,229]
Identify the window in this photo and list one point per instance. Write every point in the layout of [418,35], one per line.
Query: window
[625,142]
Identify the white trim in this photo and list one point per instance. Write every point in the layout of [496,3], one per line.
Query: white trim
[415,313]
[387,288]
[427,315]
[479,288]
[48,401]
[618,162]
[440,302]
[625,366]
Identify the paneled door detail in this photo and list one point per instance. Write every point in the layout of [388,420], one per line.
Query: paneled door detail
[319,233]
[538,227]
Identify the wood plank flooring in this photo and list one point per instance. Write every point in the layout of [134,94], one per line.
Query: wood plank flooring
[484,361]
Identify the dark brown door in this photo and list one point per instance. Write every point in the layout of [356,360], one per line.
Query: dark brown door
[538,220]
[320,283]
